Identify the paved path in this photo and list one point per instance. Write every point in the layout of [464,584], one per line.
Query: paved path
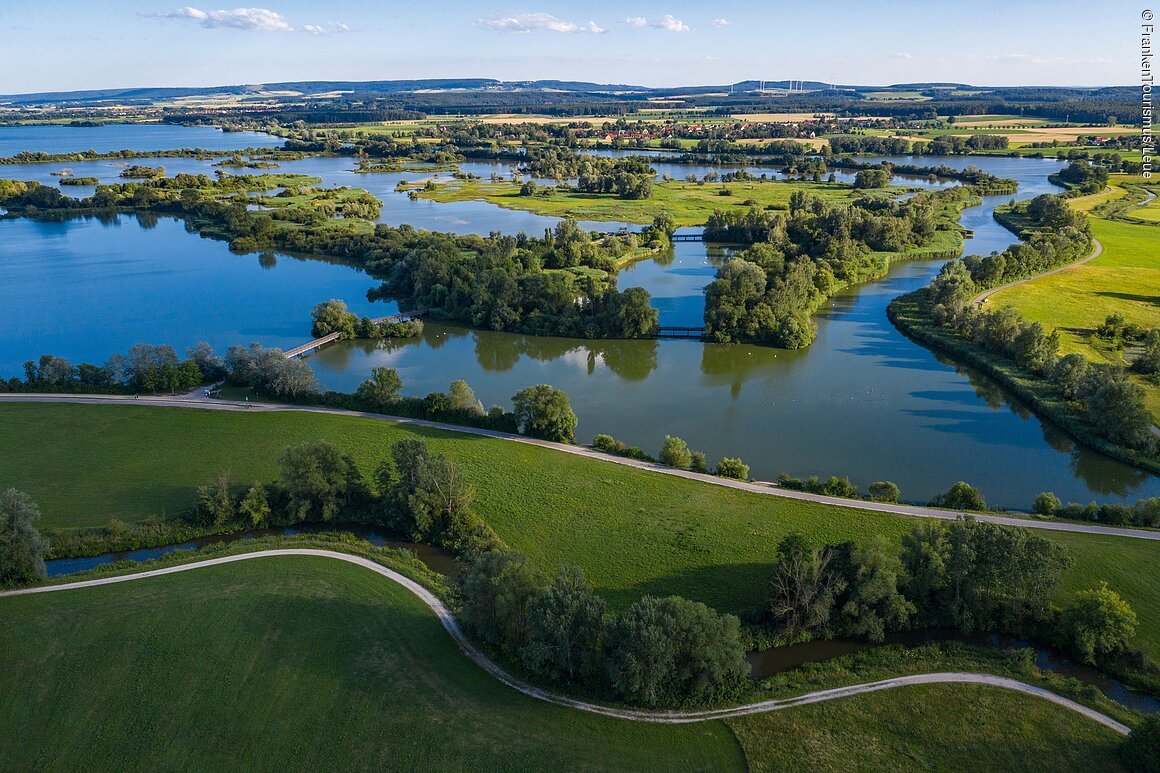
[662,717]
[982,298]
[196,399]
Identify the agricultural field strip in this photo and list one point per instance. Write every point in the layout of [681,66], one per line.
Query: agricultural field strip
[661,717]
[916,511]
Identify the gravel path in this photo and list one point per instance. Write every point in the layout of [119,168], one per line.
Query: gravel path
[661,717]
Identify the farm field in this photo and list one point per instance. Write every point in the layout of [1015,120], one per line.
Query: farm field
[633,532]
[1125,279]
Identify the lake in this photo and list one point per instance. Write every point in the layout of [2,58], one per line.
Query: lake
[863,401]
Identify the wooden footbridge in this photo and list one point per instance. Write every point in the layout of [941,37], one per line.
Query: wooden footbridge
[318,343]
[680,332]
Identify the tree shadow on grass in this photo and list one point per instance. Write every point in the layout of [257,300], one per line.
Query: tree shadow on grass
[732,588]
[1153,300]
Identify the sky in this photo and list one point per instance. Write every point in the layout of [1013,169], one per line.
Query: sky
[86,44]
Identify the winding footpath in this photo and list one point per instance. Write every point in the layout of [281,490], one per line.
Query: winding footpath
[660,717]
[196,399]
[983,297]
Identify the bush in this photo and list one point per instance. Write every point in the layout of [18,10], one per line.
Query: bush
[961,496]
[1141,749]
[1096,624]
[1046,503]
[675,453]
[884,491]
[733,468]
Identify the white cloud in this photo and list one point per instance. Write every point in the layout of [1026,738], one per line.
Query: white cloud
[636,21]
[533,22]
[325,29]
[720,22]
[902,55]
[670,23]
[239,18]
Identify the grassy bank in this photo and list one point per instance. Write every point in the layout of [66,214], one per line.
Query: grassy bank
[688,203]
[633,532]
[308,663]
[1124,279]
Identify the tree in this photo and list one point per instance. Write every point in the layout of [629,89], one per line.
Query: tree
[1149,361]
[961,496]
[1046,503]
[872,178]
[698,462]
[873,603]
[255,506]
[462,398]
[804,588]
[382,388]
[320,481]
[330,317]
[1120,411]
[924,552]
[675,453]
[1097,623]
[1141,750]
[733,468]
[215,503]
[883,491]
[673,651]
[544,412]
[566,625]
[499,589]
[431,498]
[22,548]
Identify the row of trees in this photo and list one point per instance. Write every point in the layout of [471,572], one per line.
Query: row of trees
[414,492]
[1146,512]
[658,652]
[966,575]
[144,368]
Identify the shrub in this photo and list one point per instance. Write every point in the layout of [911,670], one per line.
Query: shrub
[675,453]
[884,491]
[733,468]
[961,496]
[1141,749]
[1097,623]
[1046,503]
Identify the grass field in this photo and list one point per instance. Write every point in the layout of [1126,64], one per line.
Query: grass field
[897,730]
[1124,279]
[689,203]
[308,663]
[633,532]
[285,664]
